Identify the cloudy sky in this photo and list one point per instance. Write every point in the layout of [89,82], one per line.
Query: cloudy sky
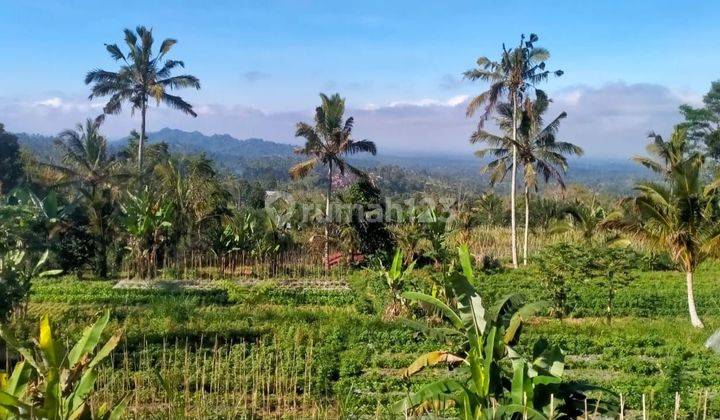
[628,65]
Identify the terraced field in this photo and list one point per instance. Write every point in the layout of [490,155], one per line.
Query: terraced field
[313,349]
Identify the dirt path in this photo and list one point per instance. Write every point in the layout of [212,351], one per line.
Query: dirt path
[315,284]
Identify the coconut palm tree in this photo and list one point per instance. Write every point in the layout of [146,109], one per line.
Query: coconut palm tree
[536,149]
[87,167]
[540,153]
[142,77]
[585,218]
[667,153]
[327,143]
[679,217]
[516,75]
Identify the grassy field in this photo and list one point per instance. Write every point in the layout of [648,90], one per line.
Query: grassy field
[273,350]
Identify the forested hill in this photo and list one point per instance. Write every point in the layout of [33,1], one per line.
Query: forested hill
[252,158]
[183,142]
[219,144]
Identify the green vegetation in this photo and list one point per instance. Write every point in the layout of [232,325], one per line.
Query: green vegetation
[490,335]
[647,349]
[9,161]
[355,293]
[679,217]
[51,382]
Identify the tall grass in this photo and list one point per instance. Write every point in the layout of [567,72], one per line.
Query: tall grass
[494,241]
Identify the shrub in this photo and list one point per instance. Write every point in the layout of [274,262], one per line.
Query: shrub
[354,360]
[16,271]
[560,267]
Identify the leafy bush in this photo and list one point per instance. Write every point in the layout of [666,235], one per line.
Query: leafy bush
[564,268]
[353,361]
[271,292]
[396,278]
[16,271]
[560,268]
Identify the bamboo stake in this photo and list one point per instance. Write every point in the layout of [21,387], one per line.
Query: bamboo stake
[644,413]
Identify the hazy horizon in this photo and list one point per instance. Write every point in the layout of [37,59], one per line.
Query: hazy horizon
[386,152]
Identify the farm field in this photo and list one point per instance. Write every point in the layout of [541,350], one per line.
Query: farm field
[272,350]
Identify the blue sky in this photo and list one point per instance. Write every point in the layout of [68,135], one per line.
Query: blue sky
[398,63]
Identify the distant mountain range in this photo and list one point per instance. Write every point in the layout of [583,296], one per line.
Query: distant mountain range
[255,158]
[227,151]
[234,153]
[183,142]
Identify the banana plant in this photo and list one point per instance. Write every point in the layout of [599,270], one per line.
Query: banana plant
[480,387]
[53,383]
[395,278]
[147,219]
[240,232]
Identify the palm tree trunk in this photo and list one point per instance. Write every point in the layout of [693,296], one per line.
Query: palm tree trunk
[101,266]
[694,319]
[327,218]
[141,143]
[527,224]
[513,233]
[99,230]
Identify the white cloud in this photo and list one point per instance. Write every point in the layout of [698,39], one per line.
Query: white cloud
[570,97]
[65,104]
[609,120]
[456,100]
[51,102]
[614,119]
[689,97]
[204,110]
[453,101]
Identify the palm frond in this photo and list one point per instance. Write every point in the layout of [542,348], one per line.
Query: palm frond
[482,136]
[303,168]
[166,46]
[494,151]
[359,146]
[179,82]
[649,163]
[178,103]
